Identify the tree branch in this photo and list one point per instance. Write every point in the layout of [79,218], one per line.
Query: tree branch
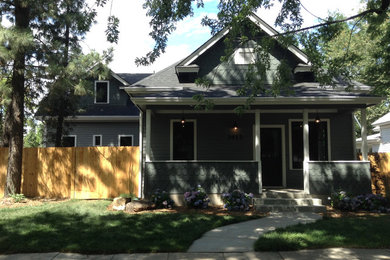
[335,22]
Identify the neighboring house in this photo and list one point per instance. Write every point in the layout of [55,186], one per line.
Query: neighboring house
[108,118]
[379,142]
[276,143]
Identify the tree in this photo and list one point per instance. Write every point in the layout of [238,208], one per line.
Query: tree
[28,48]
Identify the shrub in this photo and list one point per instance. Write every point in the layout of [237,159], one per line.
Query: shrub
[18,197]
[369,202]
[196,198]
[237,200]
[162,200]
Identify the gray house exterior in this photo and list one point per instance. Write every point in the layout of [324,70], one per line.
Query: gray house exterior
[106,118]
[279,142]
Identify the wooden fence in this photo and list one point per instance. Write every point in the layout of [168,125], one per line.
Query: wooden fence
[76,172]
[380,173]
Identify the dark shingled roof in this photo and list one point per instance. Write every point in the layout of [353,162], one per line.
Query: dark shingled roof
[132,78]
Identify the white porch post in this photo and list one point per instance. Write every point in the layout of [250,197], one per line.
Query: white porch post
[306,154]
[148,133]
[258,150]
[141,161]
[364,134]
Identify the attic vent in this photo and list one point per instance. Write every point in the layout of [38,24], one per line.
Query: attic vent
[244,56]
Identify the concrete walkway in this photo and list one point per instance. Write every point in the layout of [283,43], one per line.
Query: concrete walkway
[240,237]
[321,254]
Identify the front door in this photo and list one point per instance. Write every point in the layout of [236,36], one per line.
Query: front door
[271,156]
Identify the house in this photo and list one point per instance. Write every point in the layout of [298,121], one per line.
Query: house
[380,141]
[108,117]
[302,140]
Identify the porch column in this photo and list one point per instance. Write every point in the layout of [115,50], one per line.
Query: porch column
[258,149]
[148,133]
[364,134]
[306,154]
[141,159]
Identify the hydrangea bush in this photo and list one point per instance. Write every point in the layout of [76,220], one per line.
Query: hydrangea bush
[237,200]
[369,202]
[196,198]
[162,200]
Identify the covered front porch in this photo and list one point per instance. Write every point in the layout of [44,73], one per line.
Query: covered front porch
[278,148]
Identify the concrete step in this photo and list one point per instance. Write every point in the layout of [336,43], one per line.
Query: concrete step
[285,208]
[288,201]
[285,195]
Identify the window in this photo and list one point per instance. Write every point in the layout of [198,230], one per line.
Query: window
[244,56]
[318,142]
[97,140]
[183,140]
[125,140]
[69,141]
[102,92]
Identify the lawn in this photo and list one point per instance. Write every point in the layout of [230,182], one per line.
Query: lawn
[87,227]
[352,232]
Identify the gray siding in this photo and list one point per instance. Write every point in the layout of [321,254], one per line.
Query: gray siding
[215,140]
[108,130]
[214,177]
[328,177]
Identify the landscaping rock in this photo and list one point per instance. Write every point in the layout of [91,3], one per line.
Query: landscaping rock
[118,203]
[138,205]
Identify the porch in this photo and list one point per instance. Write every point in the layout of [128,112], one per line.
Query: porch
[282,148]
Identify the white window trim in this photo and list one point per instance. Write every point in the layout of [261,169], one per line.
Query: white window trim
[75,139]
[171,139]
[290,140]
[119,139]
[108,91]
[239,59]
[94,141]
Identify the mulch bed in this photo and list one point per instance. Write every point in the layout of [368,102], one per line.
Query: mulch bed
[335,213]
[9,202]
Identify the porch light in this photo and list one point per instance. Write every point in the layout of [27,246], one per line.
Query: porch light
[235,126]
[317,120]
[182,121]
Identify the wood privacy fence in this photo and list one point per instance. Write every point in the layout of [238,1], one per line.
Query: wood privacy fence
[76,172]
[380,173]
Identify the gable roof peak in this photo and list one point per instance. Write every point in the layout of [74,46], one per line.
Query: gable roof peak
[269,30]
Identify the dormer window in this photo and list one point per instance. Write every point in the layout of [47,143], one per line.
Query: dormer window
[244,56]
[102,92]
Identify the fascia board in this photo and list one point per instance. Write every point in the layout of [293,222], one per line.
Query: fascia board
[261,101]
[116,76]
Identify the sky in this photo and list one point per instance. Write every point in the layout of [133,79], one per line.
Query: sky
[134,40]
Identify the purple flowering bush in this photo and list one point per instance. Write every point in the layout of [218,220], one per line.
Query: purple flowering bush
[237,200]
[196,198]
[369,202]
[162,200]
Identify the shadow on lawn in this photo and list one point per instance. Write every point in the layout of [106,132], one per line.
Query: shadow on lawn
[358,232]
[105,233]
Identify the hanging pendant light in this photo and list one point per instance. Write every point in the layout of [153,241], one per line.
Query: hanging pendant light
[317,120]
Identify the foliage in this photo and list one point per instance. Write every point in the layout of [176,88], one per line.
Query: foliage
[35,132]
[347,232]
[196,198]
[161,199]
[369,202]
[86,226]
[237,200]
[18,197]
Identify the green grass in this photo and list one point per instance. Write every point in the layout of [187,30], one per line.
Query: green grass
[349,232]
[87,227]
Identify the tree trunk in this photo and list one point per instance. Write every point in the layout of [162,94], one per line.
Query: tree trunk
[6,129]
[59,130]
[16,108]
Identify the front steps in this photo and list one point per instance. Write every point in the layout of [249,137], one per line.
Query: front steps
[287,201]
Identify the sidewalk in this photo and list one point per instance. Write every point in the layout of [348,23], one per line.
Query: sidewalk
[240,237]
[320,254]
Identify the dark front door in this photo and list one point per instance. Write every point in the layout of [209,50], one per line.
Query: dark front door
[271,156]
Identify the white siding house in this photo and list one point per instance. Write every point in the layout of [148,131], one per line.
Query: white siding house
[379,142]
